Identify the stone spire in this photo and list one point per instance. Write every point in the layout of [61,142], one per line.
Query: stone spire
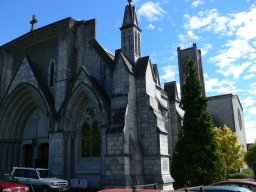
[130,34]
[130,17]
[33,22]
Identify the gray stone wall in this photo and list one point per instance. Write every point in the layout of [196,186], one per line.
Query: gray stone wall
[222,105]
[6,62]
[239,121]
[224,110]
[56,153]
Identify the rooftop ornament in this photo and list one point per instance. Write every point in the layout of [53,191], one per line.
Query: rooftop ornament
[33,22]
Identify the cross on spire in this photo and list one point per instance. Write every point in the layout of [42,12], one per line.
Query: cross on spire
[33,22]
[129,1]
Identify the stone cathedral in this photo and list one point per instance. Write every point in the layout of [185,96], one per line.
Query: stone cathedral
[68,104]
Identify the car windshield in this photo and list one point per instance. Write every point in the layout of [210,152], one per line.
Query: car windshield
[7,177]
[45,173]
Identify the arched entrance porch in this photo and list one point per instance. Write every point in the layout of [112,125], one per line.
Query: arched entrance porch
[24,126]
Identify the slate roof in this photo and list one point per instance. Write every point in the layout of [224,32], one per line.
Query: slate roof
[141,66]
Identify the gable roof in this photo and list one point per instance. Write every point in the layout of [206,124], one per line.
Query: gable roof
[33,76]
[109,57]
[129,66]
[141,65]
[43,34]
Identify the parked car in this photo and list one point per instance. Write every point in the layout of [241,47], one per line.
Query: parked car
[140,188]
[39,179]
[13,187]
[9,184]
[7,177]
[239,183]
[217,188]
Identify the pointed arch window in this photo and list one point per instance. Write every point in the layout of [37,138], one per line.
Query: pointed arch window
[136,43]
[90,135]
[139,44]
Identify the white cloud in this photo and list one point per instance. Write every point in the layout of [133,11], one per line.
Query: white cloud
[210,84]
[220,24]
[205,48]
[208,20]
[254,43]
[248,102]
[231,53]
[215,85]
[243,23]
[169,73]
[252,69]
[252,111]
[197,3]
[252,89]
[204,19]
[234,70]
[185,39]
[192,35]
[250,76]
[151,27]
[151,11]
[250,129]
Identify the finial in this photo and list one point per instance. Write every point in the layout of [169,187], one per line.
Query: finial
[129,1]
[33,22]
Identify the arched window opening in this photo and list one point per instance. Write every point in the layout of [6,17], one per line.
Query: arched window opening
[90,135]
[136,43]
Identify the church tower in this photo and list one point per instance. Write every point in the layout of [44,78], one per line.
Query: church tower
[196,56]
[130,34]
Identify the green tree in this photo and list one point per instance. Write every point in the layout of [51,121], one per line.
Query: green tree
[250,158]
[197,158]
[233,152]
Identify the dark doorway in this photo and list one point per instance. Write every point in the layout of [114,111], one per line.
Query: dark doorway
[42,161]
[28,155]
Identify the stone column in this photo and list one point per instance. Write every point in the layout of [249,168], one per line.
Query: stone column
[66,152]
[72,153]
[56,153]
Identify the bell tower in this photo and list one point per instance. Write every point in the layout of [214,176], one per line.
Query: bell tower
[130,34]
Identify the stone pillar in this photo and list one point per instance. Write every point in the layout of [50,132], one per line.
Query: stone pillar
[72,155]
[56,153]
[65,41]
[117,163]
[66,154]
[1,152]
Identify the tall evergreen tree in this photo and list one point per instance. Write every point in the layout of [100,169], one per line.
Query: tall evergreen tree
[197,158]
[250,158]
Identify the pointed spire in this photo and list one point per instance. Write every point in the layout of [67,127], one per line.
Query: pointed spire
[130,17]
[130,34]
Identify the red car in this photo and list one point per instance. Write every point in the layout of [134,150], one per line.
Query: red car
[12,187]
[9,184]
[239,183]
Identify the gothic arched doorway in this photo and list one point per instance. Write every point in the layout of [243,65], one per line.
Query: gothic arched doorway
[28,155]
[43,156]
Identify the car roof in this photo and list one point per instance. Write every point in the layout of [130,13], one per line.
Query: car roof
[139,190]
[237,181]
[30,168]
[219,188]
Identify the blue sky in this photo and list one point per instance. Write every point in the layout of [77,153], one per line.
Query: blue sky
[225,31]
